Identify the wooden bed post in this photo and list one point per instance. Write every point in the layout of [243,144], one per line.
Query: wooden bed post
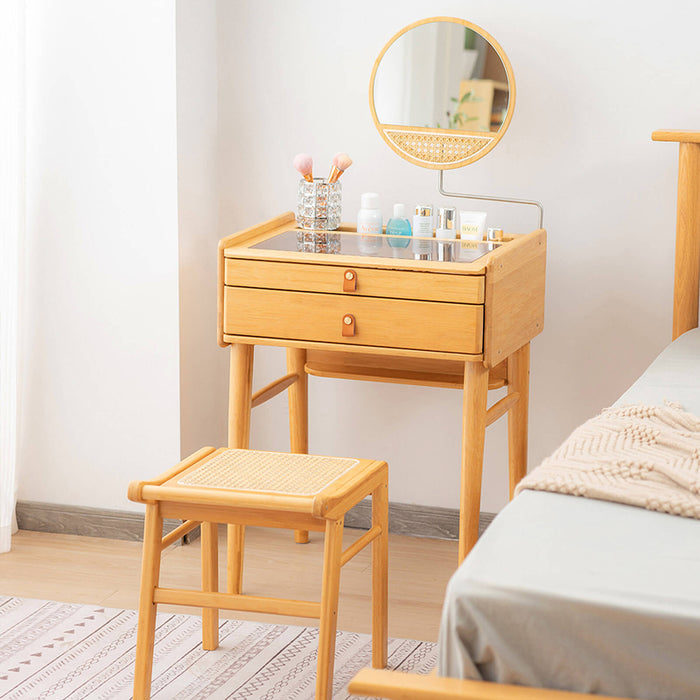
[686,284]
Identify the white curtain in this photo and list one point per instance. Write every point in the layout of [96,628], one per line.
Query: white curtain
[11,228]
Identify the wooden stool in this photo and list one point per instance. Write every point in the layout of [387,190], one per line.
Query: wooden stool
[246,487]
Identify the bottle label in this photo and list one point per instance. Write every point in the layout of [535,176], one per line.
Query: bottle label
[423,226]
[470,237]
[471,230]
[370,228]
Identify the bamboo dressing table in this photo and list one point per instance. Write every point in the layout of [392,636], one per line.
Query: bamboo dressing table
[465,324]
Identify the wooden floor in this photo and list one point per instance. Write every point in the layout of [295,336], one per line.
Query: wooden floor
[75,569]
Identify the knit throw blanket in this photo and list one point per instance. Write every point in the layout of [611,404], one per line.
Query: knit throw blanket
[647,456]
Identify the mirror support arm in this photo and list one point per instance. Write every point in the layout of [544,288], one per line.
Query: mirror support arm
[531,202]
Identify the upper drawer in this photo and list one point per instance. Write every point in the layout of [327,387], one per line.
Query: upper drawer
[373,282]
[390,323]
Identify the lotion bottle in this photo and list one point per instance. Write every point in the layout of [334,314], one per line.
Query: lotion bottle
[446,233]
[369,224]
[398,225]
[422,227]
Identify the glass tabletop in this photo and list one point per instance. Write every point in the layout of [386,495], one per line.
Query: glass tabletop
[377,246]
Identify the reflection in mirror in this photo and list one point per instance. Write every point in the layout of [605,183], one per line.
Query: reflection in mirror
[442,75]
[442,93]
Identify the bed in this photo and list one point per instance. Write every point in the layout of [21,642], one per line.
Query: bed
[577,595]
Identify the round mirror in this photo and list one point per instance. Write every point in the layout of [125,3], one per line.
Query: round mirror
[442,93]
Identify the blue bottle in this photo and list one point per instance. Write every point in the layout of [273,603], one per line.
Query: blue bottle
[399,225]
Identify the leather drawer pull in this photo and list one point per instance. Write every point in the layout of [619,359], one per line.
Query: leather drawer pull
[349,281]
[348,325]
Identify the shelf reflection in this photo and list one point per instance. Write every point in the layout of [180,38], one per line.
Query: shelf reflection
[376,246]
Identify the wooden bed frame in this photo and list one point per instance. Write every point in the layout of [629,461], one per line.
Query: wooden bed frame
[395,685]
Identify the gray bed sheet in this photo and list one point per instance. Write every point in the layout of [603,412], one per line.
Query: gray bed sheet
[585,595]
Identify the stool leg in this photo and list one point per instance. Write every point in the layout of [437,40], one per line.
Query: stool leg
[518,380]
[146,631]
[239,409]
[332,550]
[210,584]
[380,577]
[298,397]
[235,539]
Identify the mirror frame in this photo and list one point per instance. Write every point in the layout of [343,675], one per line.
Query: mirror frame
[431,148]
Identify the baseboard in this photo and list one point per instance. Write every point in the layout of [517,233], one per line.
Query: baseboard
[79,520]
[417,521]
[404,519]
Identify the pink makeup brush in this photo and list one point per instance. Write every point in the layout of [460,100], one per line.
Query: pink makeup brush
[341,162]
[304,164]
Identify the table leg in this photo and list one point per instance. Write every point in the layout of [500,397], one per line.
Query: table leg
[476,386]
[239,408]
[518,380]
[298,413]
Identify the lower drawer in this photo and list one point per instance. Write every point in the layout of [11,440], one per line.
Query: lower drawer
[391,323]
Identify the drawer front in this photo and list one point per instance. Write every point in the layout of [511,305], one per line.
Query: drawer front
[397,284]
[391,323]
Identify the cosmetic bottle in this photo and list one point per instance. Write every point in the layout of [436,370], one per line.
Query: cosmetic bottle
[472,227]
[369,224]
[398,225]
[446,233]
[423,227]
[494,234]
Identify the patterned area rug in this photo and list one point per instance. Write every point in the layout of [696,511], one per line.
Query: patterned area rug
[59,650]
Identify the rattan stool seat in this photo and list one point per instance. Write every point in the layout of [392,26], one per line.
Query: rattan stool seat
[268,472]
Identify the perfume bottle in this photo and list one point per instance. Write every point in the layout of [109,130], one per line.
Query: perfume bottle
[399,225]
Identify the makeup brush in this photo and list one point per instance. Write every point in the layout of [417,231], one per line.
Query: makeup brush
[341,162]
[304,164]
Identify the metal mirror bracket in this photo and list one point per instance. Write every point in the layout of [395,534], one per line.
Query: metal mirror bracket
[489,198]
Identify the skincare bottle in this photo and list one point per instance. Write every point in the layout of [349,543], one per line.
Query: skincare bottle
[422,227]
[446,233]
[472,226]
[369,224]
[398,225]
[494,234]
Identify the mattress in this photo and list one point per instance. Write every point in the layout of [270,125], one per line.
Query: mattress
[585,595]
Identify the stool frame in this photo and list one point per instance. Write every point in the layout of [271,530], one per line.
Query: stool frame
[324,511]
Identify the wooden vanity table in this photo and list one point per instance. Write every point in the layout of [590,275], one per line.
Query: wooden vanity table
[385,317]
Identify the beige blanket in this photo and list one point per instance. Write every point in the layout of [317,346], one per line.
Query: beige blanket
[647,456]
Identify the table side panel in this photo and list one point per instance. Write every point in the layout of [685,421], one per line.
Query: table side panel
[514,304]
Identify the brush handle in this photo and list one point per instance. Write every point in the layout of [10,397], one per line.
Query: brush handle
[336,172]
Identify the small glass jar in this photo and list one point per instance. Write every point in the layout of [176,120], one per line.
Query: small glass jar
[319,204]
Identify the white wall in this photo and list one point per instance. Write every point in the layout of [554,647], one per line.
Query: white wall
[100,314]
[202,362]
[594,80]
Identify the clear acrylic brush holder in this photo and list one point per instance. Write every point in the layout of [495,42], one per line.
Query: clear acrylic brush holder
[319,204]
